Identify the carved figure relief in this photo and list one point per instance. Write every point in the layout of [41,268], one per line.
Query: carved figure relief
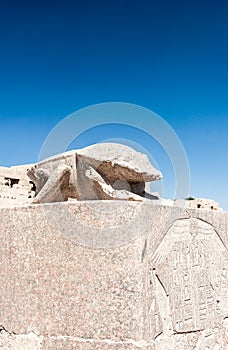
[189,261]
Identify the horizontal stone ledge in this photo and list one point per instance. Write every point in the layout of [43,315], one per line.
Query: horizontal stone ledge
[32,341]
[99,224]
[93,224]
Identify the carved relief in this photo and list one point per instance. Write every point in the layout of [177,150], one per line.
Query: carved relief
[190,263]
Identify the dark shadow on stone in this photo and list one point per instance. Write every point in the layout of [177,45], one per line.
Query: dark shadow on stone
[150,196]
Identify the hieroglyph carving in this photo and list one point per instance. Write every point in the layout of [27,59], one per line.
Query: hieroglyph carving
[191,263]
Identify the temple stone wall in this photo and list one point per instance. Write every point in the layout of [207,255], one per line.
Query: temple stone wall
[15,186]
[203,203]
[113,275]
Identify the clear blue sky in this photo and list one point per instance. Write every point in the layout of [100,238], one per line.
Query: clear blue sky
[168,56]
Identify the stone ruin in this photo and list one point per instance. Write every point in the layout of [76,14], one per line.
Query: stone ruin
[80,270]
[203,203]
[15,186]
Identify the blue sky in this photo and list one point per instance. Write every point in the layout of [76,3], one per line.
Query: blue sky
[168,56]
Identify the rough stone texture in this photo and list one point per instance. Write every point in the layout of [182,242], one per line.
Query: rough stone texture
[102,190]
[101,171]
[90,344]
[113,275]
[115,161]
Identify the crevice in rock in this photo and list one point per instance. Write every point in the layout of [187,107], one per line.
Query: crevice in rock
[2,328]
[163,287]
[188,332]
[158,335]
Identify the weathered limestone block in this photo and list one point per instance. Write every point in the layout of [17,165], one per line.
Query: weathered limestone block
[15,187]
[101,171]
[113,275]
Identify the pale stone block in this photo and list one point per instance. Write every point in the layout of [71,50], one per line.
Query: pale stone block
[113,275]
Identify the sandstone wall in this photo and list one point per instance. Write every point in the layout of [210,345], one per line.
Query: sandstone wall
[15,186]
[112,275]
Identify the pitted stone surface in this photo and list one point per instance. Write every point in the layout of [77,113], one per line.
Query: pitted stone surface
[162,287]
